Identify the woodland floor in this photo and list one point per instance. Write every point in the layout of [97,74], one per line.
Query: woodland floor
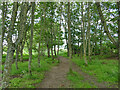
[57,76]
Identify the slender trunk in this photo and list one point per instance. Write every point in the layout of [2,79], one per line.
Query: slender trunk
[11,48]
[4,14]
[101,51]
[48,50]
[52,52]
[84,45]
[39,49]
[118,3]
[39,54]
[21,54]
[55,50]
[104,24]
[17,57]
[78,47]
[89,52]
[69,32]
[31,38]
[60,27]
[69,38]
[52,32]
[40,43]
[81,47]
[58,50]
[95,47]
[1,44]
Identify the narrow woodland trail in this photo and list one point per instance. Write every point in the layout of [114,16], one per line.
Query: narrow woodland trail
[57,76]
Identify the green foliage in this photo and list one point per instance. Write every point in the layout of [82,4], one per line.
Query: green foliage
[21,79]
[77,81]
[104,70]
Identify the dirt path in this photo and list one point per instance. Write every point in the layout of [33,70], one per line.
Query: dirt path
[56,77]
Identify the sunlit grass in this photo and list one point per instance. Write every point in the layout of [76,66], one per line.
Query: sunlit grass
[77,81]
[21,78]
[104,70]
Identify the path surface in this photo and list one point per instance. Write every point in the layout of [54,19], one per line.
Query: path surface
[56,77]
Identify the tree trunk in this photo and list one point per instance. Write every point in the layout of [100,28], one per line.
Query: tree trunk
[101,50]
[48,50]
[39,48]
[89,52]
[118,3]
[52,52]
[4,14]
[95,40]
[69,39]
[69,32]
[104,24]
[60,26]
[31,38]
[17,57]
[11,48]
[21,54]
[81,46]
[55,50]
[1,44]
[84,45]
[39,54]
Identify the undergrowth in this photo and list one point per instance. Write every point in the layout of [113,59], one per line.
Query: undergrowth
[102,69]
[77,81]
[21,79]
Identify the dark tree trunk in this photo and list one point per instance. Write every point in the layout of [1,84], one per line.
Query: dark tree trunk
[52,52]
[48,50]
[55,50]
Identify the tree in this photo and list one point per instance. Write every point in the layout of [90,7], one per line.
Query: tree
[13,46]
[4,14]
[1,43]
[104,23]
[31,37]
[118,4]
[69,32]
[101,35]
[89,52]
[83,31]
[10,51]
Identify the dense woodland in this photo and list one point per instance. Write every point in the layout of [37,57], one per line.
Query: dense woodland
[40,29]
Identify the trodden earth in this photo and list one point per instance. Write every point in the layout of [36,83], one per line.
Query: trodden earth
[57,76]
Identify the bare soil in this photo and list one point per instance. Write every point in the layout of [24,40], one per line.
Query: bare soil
[56,77]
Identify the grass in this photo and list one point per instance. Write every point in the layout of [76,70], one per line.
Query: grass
[103,70]
[77,81]
[21,79]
